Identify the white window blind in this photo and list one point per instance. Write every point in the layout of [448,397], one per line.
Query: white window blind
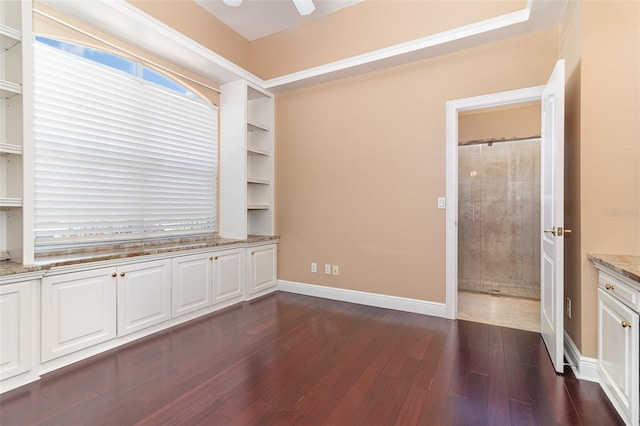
[118,158]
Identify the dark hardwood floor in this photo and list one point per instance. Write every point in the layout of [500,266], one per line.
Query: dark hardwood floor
[290,359]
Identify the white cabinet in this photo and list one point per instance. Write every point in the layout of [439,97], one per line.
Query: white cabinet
[144,295]
[16,151]
[228,275]
[618,346]
[74,312]
[262,269]
[78,311]
[246,160]
[202,280]
[192,289]
[15,329]
[82,309]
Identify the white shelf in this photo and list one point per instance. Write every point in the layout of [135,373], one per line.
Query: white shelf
[258,207]
[8,89]
[10,203]
[6,148]
[258,151]
[253,126]
[259,181]
[9,37]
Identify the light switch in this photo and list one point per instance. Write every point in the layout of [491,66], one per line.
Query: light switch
[442,203]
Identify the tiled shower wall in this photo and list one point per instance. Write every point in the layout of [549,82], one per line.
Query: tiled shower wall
[499,218]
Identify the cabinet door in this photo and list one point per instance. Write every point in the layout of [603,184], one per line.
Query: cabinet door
[144,295]
[262,268]
[228,275]
[78,311]
[191,283]
[618,354]
[15,329]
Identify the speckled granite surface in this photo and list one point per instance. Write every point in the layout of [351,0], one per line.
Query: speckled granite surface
[65,258]
[626,265]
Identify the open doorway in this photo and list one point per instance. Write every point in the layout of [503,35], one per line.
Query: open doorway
[499,216]
[552,231]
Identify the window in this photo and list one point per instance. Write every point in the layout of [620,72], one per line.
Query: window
[122,152]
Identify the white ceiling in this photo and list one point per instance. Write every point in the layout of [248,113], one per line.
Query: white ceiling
[254,19]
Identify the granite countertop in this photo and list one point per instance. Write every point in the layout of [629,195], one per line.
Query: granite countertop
[65,258]
[625,265]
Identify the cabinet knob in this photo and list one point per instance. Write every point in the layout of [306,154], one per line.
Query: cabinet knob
[608,286]
[211,258]
[122,274]
[625,324]
[215,258]
[253,252]
[113,274]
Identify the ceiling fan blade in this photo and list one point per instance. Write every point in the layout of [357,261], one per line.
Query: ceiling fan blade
[232,2]
[305,7]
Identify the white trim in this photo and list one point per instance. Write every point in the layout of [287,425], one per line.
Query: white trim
[364,298]
[453,108]
[583,367]
[369,59]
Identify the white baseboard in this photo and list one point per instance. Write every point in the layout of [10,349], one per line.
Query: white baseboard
[363,298]
[583,367]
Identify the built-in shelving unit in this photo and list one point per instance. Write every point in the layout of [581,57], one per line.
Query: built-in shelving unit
[16,217]
[259,162]
[246,139]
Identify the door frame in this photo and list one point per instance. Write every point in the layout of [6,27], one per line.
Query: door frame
[454,107]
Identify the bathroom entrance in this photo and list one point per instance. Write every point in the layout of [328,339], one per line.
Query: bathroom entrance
[499,216]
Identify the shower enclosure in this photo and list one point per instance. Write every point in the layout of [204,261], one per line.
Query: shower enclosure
[499,218]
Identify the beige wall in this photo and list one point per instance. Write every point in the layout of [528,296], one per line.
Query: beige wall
[570,50]
[364,27]
[195,22]
[609,143]
[361,161]
[520,121]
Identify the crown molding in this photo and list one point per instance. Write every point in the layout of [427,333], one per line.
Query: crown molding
[122,20]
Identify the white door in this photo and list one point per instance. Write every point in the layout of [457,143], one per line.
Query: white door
[78,311]
[552,217]
[262,268]
[15,342]
[144,295]
[228,275]
[191,283]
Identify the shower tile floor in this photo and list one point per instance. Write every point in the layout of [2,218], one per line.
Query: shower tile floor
[512,312]
[527,291]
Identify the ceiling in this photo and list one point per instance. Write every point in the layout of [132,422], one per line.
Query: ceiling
[254,19]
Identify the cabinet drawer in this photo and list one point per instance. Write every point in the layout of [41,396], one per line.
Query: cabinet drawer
[620,290]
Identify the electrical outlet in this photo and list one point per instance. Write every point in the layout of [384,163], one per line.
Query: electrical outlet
[568,307]
[314,267]
[336,270]
[327,269]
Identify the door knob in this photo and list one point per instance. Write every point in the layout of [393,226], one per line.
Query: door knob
[551,231]
[567,232]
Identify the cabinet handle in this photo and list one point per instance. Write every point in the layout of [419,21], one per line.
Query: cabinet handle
[609,286]
[113,274]
[122,274]
[625,324]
